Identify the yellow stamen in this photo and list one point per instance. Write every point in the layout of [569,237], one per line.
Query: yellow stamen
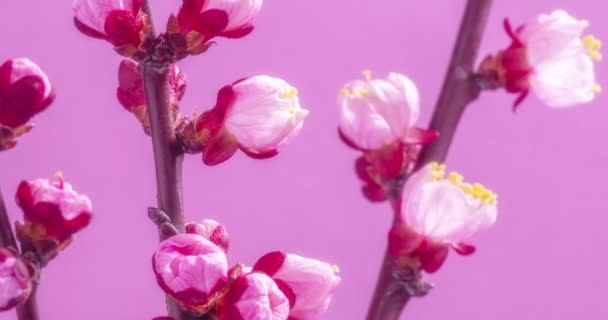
[361,93]
[58,175]
[367,74]
[290,93]
[293,110]
[437,171]
[336,268]
[596,88]
[475,190]
[593,46]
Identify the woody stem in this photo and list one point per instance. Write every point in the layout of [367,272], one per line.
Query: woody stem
[168,157]
[29,309]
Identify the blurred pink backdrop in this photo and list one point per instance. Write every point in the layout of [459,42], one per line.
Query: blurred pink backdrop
[543,260]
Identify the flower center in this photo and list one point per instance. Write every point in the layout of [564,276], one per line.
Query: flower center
[475,190]
[290,93]
[593,46]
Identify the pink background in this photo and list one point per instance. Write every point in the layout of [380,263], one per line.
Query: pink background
[543,260]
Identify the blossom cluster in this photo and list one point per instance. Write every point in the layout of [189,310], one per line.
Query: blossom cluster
[193,269]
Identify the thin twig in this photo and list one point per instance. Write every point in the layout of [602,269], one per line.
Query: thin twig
[459,90]
[6,229]
[29,309]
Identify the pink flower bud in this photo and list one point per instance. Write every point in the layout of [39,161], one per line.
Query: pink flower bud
[313,282]
[130,90]
[24,92]
[118,21]
[441,211]
[53,211]
[551,57]
[212,231]
[191,269]
[225,18]
[377,112]
[254,296]
[257,115]
[15,280]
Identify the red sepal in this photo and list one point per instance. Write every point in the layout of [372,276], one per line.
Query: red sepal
[259,155]
[403,241]
[219,148]
[516,41]
[287,291]
[463,249]
[88,31]
[237,33]
[270,263]
[212,22]
[432,256]
[374,192]
[520,99]
[420,136]
[347,141]
[229,311]
[122,28]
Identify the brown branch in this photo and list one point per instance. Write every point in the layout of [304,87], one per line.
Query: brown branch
[168,157]
[6,229]
[29,309]
[460,88]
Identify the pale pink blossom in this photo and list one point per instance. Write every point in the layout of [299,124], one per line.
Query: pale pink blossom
[25,90]
[255,296]
[438,212]
[377,112]
[551,57]
[258,115]
[15,280]
[265,113]
[118,21]
[227,18]
[563,70]
[446,209]
[55,207]
[212,231]
[191,269]
[313,282]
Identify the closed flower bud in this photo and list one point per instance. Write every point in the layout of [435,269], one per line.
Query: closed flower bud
[24,92]
[212,231]
[131,95]
[191,269]
[254,296]
[121,22]
[15,280]
[53,211]
[550,57]
[211,18]
[439,212]
[258,115]
[377,112]
[312,282]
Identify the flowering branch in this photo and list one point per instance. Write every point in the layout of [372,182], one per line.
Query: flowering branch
[460,88]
